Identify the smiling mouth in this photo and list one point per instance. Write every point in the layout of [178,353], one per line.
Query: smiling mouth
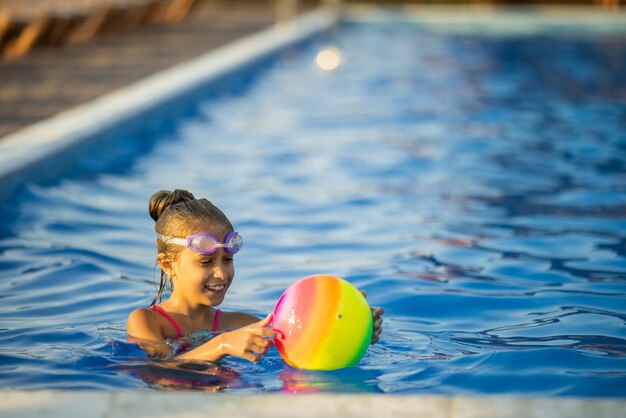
[215,288]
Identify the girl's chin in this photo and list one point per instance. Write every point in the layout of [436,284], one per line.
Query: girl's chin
[215,297]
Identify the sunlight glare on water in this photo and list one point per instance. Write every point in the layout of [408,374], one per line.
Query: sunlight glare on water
[329,58]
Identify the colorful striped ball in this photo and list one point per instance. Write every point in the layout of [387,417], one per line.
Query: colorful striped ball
[326,323]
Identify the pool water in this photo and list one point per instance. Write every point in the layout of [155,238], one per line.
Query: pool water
[474,184]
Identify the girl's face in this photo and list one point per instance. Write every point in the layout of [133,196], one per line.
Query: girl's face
[201,278]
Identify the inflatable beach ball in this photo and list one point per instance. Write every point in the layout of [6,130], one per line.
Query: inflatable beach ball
[326,323]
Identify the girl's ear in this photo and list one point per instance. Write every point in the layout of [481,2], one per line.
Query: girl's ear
[165,263]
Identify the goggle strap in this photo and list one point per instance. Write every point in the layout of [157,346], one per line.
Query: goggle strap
[172,240]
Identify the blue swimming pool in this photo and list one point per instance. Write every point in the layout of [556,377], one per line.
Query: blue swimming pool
[472,182]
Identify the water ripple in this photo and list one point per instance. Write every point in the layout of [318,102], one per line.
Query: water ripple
[480,200]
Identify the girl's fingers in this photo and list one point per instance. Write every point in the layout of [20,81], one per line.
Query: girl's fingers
[250,356]
[376,336]
[272,333]
[260,342]
[378,322]
[261,326]
[266,332]
[255,352]
[377,311]
[263,323]
[259,349]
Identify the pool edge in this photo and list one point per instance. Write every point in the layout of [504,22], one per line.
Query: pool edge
[94,404]
[22,151]
[479,12]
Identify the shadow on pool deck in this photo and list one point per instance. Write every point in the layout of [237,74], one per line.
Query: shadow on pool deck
[49,80]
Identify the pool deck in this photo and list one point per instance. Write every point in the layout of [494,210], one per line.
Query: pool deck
[50,81]
[67,404]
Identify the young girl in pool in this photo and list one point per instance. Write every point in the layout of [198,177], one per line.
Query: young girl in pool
[196,245]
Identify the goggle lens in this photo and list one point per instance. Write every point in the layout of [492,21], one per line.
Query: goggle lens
[206,243]
[203,244]
[234,242]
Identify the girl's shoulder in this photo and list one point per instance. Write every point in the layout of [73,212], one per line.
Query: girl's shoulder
[148,313]
[145,323]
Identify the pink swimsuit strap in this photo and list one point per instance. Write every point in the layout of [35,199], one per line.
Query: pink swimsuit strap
[179,334]
[169,318]
[216,321]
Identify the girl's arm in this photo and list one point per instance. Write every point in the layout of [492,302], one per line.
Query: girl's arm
[250,342]
[377,316]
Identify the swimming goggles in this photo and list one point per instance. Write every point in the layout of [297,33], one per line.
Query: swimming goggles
[206,243]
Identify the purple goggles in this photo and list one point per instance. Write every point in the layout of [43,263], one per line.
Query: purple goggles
[206,243]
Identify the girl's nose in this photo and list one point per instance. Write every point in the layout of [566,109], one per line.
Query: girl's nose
[220,272]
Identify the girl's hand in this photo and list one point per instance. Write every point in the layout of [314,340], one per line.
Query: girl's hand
[251,342]
[377,316]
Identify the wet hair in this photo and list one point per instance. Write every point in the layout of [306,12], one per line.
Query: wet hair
[179,214]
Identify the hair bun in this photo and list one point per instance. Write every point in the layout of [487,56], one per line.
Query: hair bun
[164,198]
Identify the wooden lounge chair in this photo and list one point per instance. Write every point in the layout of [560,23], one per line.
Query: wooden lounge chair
[25,24]
[26,38]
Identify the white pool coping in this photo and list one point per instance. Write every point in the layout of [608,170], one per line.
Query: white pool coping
[66,404]
[497,19]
